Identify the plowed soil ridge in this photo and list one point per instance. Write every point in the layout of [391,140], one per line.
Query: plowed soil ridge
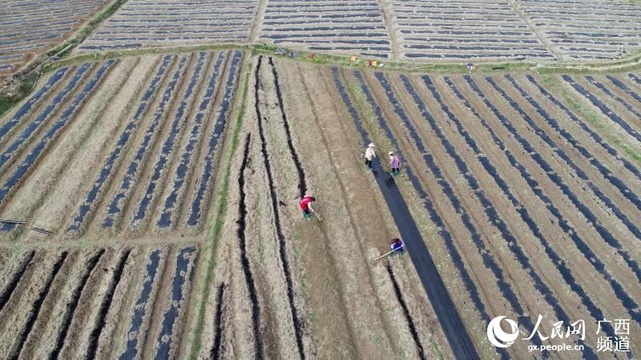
[11,285]
[105,175]
[459,260]
[302,185]
[606,235]
[563,155]
[170,328]
[184,172]
[298,330]
[491,170]
[147,293]
[408,317]
[35,311]
[73,304]
[249,278]
[594,135]
[94,336]
[565,271]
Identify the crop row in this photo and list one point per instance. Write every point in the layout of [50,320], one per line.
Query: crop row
[427,202]
[52,132]
[464,153]
[154,168]
[479,30]
[165,22]
[565,24]
[340,26]
[604,233]
[94,302]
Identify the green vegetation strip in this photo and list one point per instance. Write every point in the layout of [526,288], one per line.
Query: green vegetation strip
[627,64]
[585,112]
[212,237]
[7,101]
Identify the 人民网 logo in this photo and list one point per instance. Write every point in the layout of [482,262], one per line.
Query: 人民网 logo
[500,338]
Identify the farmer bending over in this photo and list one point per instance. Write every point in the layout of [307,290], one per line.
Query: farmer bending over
[397,246]
[306,205]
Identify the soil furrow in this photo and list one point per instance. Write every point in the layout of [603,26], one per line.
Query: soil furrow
[11,284]
[302,185]
[170,329]
[36,125]
[408,317]
[616,102]
[164,161]
[446,229]
[545,283]
[600,223]
[21,337]
[333,325]
[249,278]
[105,306]
[90,139]
[615,120]
[541,163]
[597,140]
[441,300]
[369,226]
[602,185]
[298,326]
[436,162]
[35,102]
[41,187]
[34,157]
[73,304]
[219,323]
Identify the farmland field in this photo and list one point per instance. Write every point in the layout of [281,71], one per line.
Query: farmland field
[28,28]
[531,215]
[138,137]
[149,200]
[525,206]
[171,23]
[436,31]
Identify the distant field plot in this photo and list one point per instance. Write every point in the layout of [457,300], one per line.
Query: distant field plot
[586,29]
[463,30]
[30,27]
[353,26]
[440,30]
[117,147]
[145,23]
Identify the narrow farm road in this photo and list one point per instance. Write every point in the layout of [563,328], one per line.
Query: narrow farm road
[449,318]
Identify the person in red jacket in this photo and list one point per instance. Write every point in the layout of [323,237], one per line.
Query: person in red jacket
[306,205]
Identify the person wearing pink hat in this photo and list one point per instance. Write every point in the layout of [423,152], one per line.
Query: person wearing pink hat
[395,164]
